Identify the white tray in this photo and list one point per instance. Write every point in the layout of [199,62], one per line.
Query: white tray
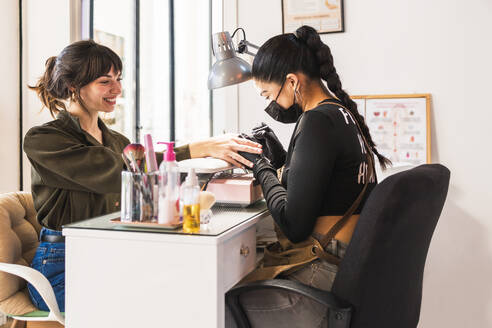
[204,165]
[147,224]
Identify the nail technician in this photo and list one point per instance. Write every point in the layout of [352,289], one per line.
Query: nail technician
[76,160]
[328,173]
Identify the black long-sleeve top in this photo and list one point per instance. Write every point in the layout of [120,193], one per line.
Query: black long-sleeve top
[323,173]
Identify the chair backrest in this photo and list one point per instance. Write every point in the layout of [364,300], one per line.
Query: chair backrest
[381,274]
[19,231]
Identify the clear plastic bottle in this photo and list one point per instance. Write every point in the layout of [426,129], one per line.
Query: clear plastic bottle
[190,199]
[168,212]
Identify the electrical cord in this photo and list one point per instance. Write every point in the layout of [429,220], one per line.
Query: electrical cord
[235,31]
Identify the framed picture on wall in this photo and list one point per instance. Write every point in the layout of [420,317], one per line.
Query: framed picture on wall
[326,16]
[399,125]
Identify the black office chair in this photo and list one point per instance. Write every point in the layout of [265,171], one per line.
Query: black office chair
[379,282]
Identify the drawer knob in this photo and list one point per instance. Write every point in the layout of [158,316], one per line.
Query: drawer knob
[244,251]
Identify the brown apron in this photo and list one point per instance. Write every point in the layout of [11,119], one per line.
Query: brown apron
[284,257]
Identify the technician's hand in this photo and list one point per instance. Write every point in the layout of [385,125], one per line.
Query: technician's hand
[226,147]
[260,163]
[272,147]
[253,158]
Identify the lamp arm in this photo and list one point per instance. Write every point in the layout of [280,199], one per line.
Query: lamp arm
[243,45]
[252,45]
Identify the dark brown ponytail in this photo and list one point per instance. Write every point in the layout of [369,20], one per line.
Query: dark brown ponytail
[47,91]
[77,65]
[327,72]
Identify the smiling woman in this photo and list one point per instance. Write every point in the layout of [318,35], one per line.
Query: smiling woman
[108,87]
[76,67]
[76,159]
[87,74]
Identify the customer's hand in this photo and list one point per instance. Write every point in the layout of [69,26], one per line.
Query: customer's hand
[272,147]
[226,147]
[253,158]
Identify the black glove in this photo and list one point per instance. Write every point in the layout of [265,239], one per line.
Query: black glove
[249,156]
[250,138]
[253,158]
[272,148]
[261,165]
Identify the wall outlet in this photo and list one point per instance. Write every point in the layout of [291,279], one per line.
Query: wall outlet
[3,319]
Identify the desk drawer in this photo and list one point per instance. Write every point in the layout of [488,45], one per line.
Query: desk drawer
[239,257]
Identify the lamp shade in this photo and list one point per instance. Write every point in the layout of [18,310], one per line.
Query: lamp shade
[228,69]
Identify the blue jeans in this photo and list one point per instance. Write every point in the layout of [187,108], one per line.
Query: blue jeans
[50,261]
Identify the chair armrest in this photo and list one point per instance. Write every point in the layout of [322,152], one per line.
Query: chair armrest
[339,312]
[39,282]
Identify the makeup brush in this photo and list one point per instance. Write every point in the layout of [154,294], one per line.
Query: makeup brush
[133,162]
[207,200]
[127,163]
[138,153]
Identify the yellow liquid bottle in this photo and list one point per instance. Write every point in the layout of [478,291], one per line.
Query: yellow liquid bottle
[191,218]
[190,197]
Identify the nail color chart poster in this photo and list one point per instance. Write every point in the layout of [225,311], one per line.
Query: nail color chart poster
[326,16]
[399,127]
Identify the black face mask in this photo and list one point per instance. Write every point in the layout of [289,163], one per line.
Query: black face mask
[280,114]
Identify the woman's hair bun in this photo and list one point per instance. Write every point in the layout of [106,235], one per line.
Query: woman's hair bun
[310,37]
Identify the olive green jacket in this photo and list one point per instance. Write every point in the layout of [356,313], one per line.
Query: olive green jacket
[73,176]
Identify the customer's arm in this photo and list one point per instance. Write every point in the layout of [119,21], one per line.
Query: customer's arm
[295,210]
[63,162]
[182,153]
[225,147]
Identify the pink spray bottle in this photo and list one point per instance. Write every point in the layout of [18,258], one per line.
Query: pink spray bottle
[168,187]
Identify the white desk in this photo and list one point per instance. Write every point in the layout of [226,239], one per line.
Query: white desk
[128,277]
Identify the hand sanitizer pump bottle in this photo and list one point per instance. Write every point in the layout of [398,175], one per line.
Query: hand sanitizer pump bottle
[190,193]
[168,187]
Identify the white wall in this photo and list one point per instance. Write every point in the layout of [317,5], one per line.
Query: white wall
[9,96]
[440,47]
[46,32]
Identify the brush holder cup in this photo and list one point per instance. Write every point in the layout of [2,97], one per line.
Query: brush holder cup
[139,196]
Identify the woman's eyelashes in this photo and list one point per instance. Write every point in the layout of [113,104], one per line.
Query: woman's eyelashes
[108,81]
